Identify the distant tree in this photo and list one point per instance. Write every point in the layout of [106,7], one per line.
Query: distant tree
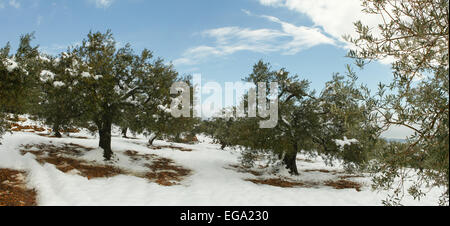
[311,123]
[157,116]
[221,129]
[414,35]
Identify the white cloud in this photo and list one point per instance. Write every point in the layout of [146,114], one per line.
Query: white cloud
[2,5]
[332,20]
[302,37]
[14,3]
[290,39]
[271,2]
[335,17]
[103,3]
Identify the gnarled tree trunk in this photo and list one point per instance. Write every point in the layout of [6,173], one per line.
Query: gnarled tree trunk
[290,160]
[152,139]
[105,136]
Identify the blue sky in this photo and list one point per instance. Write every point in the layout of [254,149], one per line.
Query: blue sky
[220,39]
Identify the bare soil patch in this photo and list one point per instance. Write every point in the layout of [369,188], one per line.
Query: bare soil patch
[344,184]
[66,158]
[278,182]
[162,170]
[84,168]
[321,171]
[13,191]
[52,154]
[287,183]
[135,156]
[350,176]
[169,147]
[51,150]
[15,127]
[242,169]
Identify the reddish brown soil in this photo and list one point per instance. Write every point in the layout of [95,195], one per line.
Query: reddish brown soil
[170,147]
[13,191]
[344,184]
[17,128]
[321,171]
[350,176]
[165,172]
[52,154]
[242,169]
[281,183]
[161,170]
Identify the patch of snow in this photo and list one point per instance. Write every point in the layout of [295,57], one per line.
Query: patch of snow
[71,71]
[212,182]
[97,77]
[164,108]
[46,75]
[43,58]
[342,143]
[85,74]
[10,64]
[56,61]
[58,84]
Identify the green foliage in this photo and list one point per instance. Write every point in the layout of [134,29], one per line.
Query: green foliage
[59,103]
[222,130]
[347,110]
[155,117]
[415,36]
[17,72]
[94,83]
[307,122]
[118,84]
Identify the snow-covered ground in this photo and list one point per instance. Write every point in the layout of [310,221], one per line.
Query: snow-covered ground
[212,181]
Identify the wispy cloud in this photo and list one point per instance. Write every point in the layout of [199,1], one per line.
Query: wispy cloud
[14,3]
[102,3]
[289,40]
[335,17]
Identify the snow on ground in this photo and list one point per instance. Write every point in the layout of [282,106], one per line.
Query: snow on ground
[212,181]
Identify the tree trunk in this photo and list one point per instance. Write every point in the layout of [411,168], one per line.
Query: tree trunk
[56,132]
[152,139]
[124,132]
[105,137]
[290,160]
